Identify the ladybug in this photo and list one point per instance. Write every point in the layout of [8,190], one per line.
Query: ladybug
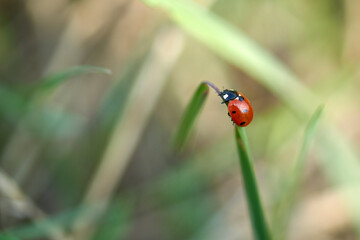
[239,107]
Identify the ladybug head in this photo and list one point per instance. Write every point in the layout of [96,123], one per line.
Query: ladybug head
[228,95]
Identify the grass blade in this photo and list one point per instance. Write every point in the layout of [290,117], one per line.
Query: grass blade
[309,134]
[237,48]
[114,222]
[191,112]
[54,80]
[127,130]
[40,120]
[254,205]
[287,197]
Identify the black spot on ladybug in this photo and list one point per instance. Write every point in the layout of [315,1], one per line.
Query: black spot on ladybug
[241,98]
[245,110]
[233,111]
[242,123]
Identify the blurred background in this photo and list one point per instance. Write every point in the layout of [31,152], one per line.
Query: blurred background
[91,157]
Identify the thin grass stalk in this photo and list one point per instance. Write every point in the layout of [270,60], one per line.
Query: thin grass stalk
[23,206]
[288,196]
[257,216]
[192,111]
[54,80]
[127,130]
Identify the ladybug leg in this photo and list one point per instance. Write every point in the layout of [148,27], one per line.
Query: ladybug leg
[231,119]
[229,115]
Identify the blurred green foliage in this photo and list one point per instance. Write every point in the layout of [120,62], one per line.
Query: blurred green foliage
[287,56]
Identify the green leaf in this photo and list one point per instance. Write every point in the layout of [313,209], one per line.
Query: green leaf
[288,195]
[191,112]
[52,81]
[252,193]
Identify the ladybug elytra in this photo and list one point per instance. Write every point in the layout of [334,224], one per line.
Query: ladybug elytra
[239,107]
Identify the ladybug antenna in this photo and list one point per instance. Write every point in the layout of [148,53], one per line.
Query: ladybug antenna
[212,86]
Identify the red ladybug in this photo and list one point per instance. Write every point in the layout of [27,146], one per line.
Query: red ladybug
[239,107]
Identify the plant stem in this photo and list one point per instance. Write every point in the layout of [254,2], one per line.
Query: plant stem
[254,205]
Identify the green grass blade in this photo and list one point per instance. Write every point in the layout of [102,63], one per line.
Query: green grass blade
[309,134]
[52,81]
[191,112]
[114,223]
[42,228]
[288,195]
[15,108]
[15,105]
[254,205]
[237,48]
